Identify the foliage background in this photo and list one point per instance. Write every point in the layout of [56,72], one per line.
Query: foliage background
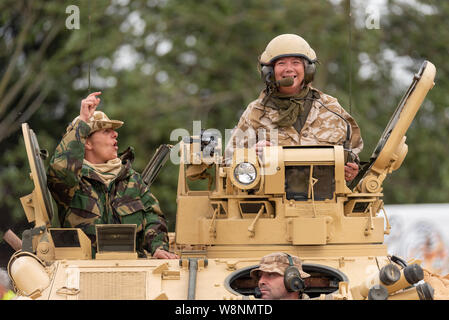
[163,63]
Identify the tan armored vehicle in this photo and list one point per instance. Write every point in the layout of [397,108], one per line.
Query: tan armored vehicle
[247,210]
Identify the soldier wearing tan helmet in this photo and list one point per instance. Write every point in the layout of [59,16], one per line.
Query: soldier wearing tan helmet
[280,277]
[93,184]
[301,114]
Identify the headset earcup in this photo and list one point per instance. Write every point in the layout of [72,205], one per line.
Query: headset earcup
[309,71]
[292,280]
[267,73]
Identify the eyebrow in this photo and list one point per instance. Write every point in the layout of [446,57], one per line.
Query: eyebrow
[283,59]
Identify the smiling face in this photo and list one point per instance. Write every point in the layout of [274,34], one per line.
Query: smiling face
[289,67]
[101,146]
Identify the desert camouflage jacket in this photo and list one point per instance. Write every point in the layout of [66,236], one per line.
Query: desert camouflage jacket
[321,126]
[84,200]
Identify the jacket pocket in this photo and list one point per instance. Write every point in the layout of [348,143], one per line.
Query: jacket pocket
[124,207]
[85,206]
[333,136]
[328,129]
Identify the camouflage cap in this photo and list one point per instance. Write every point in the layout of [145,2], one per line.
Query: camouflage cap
[278,262]
[99,120]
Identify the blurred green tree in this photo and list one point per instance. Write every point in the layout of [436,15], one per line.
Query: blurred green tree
[162,64]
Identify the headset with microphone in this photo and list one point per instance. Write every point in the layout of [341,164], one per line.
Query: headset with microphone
[292,279]
[267,73]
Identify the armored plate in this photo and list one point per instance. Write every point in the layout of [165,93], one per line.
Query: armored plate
[38,174]
[393,137]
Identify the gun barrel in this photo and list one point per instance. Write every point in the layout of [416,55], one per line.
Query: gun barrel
[155,164]
[13,240]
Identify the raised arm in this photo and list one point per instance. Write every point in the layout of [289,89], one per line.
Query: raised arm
[64,172]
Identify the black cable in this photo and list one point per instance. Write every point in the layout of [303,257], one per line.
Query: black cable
[348,126]
[399,261]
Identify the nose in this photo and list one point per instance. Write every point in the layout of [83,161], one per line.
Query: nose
[114,134]
[262,280]
[289,66]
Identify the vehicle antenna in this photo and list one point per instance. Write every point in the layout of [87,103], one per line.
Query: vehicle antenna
[350,57]
[88,45]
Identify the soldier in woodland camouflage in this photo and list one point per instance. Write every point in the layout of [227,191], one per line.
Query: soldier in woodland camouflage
[294,114]
[92,184]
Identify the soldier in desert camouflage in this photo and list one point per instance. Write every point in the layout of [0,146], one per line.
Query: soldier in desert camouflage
[292,112]
[280,277]
[92,184]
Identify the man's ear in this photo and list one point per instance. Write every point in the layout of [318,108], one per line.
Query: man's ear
[88,145]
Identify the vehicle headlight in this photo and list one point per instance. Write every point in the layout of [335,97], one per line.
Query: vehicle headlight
[245,173]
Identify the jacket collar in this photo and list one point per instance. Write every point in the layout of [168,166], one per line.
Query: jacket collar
[127,158]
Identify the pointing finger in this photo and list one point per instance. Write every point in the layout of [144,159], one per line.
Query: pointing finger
[94,94]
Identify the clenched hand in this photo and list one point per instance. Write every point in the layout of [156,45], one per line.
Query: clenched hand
[89,105]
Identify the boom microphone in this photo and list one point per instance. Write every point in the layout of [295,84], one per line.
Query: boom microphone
[285,82]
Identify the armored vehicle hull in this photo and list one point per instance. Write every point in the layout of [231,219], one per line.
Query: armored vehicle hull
[250,208]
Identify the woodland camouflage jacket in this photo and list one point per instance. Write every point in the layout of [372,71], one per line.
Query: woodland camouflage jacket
[84,200]
[321,126]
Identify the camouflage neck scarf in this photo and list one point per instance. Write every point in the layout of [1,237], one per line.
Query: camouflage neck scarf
[288,106]
[108,171]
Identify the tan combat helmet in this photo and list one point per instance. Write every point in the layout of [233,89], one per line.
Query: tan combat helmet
[288,45]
